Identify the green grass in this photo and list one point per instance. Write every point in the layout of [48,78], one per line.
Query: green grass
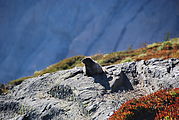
[166,49]
[152,45]
[62,65]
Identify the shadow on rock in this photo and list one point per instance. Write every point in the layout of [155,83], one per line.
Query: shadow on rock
[121,83]
[103,80]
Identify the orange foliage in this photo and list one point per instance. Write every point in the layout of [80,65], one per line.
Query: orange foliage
[161,105]
[164,54]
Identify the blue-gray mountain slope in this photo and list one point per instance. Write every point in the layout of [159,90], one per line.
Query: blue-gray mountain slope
[37,33]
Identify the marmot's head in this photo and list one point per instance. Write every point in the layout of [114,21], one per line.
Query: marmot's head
[88,61]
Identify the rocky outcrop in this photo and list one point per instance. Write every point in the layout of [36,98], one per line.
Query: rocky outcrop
[69,94]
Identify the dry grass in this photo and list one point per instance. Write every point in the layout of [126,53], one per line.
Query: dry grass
[164,50]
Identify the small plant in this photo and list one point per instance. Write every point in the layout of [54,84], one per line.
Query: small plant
[161,105]
[3,90]
[130,48]
[167,36]
[22,110]
[152,45]
[144,51]
[165,46]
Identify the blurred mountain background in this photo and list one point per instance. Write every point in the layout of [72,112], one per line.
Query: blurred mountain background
[37,33]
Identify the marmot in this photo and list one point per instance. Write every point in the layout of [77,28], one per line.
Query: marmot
[91,67]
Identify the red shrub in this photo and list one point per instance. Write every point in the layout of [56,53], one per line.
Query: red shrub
[161,105]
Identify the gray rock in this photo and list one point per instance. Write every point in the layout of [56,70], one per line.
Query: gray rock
[69,94]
